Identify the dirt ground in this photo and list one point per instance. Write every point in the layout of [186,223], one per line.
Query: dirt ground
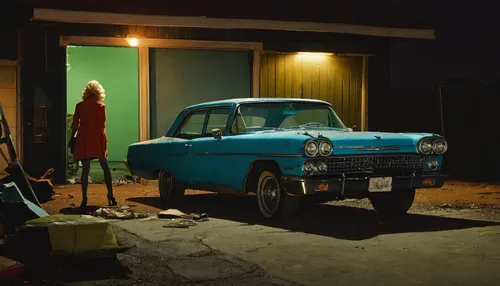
[145,198]
[450,237]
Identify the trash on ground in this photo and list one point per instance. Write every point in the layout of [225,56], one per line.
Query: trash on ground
[125,213]
[153,217]
[43,187]
[66,234]
[124,207]
[175,213]
[182,223]
[15,207]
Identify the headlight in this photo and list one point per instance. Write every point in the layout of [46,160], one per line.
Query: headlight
[325,148]
[425,146]
[308,167]
[440,146]
[311,149]
[433,164]
[322,167]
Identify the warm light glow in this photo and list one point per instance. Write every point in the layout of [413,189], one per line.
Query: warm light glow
[133,42]
[313,56]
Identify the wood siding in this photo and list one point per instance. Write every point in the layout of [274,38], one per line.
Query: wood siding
[335,79]
[8,98]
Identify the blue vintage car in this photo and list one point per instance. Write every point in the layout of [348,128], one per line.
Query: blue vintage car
[283,149]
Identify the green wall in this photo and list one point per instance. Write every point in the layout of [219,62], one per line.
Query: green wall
[117,70]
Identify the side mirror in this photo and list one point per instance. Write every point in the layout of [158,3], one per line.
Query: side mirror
[354,128]
[216,133]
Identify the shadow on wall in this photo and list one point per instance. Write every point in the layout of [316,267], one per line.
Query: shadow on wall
[468,110]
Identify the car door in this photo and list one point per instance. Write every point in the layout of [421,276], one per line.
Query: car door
[186,167]
[206,154]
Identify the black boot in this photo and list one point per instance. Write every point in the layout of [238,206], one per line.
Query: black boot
[84,202]
[111,200]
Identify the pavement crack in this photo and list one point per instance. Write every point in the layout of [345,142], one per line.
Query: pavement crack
[204,253]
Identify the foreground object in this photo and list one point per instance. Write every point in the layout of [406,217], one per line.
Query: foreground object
[66,235]
[283,150]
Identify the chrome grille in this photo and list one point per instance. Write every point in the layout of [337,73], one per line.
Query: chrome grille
[373,164]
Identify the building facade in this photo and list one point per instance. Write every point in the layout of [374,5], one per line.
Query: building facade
[172,61]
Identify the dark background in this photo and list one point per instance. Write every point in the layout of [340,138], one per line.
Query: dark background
[463,59]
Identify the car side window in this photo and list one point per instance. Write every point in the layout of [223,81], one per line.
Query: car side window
[193,126]
[217,119]
[244,124]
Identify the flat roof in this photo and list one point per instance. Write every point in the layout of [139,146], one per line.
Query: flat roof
[112,18]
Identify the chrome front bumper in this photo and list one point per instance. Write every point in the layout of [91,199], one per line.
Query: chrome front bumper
[356,186]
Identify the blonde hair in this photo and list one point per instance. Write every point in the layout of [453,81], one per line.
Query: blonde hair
[94,88]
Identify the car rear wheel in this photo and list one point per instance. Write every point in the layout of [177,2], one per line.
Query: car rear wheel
[397,202]
[272,199]
[171,193]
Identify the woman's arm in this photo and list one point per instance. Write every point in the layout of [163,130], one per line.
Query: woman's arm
[101,117]
[76,121]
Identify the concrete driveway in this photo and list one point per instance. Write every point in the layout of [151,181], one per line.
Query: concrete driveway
[334,244]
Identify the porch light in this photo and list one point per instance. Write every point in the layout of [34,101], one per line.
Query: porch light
[312,56]
[315,54]
[133,42]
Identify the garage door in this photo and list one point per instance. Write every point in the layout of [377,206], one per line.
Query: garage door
[8,99]
[180,78]
[336,79]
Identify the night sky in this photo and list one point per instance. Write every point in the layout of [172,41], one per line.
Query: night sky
[467,45]
[467,41]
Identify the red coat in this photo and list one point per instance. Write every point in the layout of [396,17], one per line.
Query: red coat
[90,122]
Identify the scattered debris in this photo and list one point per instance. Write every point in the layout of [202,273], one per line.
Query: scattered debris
[16,208]
[124,212]
[51,234]
[445,206]
[124,207]
[179,219]
[174,213]
[43,187]
[122,180]
[182,223]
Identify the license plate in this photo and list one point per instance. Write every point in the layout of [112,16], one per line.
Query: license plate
[380,185]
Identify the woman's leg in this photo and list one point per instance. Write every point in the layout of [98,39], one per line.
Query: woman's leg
[85,181]
[108,180]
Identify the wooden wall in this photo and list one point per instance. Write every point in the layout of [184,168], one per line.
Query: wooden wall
[335,79]
[8,99]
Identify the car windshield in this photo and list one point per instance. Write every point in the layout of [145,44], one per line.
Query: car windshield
[285,115]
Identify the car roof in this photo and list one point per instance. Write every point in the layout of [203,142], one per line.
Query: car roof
[236,101]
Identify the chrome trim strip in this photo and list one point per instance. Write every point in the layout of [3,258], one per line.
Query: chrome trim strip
[128,167]
[368,148]
[248,154]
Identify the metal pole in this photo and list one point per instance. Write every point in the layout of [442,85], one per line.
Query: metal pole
[441,109]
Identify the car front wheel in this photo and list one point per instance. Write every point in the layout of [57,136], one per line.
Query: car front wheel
[397,202]
[272,199]
[171,193]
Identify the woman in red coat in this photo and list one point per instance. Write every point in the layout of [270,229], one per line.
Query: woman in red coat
[91,142]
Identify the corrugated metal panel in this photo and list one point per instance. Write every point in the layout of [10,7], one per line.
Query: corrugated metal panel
[335,79]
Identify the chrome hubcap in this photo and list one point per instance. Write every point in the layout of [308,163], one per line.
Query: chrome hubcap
[270,194]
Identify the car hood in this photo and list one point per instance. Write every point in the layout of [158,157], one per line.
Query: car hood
[350,143]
